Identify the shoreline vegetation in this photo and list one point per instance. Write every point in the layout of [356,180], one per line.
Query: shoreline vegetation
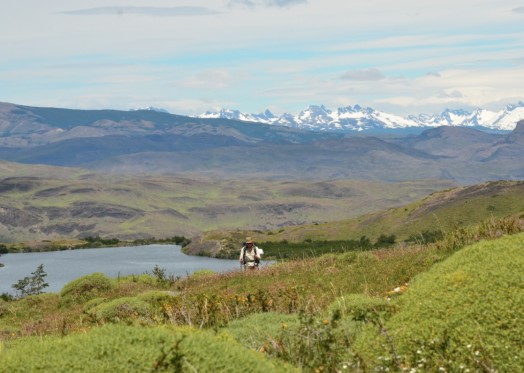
[88,243]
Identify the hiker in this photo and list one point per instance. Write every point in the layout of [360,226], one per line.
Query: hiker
[250,255]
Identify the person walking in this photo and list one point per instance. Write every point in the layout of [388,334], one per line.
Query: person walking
[250,254]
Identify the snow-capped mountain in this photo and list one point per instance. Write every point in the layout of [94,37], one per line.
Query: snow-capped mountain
[151,108]
[265,117]
[357,118]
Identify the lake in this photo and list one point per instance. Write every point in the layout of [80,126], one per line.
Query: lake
[64,266]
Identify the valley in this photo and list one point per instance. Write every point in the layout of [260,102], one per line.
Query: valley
[51,203]
[367,234]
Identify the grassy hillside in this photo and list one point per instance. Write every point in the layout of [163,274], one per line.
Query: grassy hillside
[466,311]
[44,203]
[443,210]
[448,306]
[420,221]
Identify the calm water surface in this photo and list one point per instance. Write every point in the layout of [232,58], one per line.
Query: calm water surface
[64,266]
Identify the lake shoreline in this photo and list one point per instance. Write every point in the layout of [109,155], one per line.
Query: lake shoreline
[64,266]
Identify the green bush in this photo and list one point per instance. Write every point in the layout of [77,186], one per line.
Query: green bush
[85,288]
[314,345]
[464,313]
[255,330]
[125,309]
[120,348]
[363,308]
[158,298]
[93,303]
[202,273]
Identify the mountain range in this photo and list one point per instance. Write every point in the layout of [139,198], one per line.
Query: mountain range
[357,118]
[148,141]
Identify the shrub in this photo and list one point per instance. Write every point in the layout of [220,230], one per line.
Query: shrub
[157,298]
[161,277]
[315,345]
[464,313]
[120,348]
[426,236]
[85,288]
[255,330]
[363,308]
[93,303]
[6,297]
[162,303]
[202,273]
[384,240]
[125,309]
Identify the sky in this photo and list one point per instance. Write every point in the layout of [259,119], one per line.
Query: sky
[190,56]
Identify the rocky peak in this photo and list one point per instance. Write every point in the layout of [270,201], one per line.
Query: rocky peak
[517,135]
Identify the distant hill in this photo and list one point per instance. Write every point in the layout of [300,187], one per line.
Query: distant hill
[47,203]
[439,213]
[158,142]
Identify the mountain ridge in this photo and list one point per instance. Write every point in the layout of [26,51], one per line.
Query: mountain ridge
[357,118]
[147,141]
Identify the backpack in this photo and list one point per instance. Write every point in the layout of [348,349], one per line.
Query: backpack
[257,260]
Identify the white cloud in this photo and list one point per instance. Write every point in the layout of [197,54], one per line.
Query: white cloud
[209,79]
[177,11]
[286,54]
[265,3]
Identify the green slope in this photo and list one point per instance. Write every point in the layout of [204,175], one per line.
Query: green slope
[444,211]
[465,312]
[51,203]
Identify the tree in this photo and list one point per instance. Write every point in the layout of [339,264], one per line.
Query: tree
[3,250]
[364,242]
[384,240]
[32,285]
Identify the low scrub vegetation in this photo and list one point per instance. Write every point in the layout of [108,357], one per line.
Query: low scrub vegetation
[465,312]
[119,348]
[452,305]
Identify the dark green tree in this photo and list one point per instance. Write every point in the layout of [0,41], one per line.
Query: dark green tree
[384,240]
[32,285]
[364,242]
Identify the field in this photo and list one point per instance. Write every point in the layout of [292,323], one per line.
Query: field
[453,305]
[427,284]
[420,221]
[50,203]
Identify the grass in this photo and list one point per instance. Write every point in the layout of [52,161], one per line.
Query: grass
[327,313]
[441,211]
[422,221]
[119,348]
[204,204]
[464,312]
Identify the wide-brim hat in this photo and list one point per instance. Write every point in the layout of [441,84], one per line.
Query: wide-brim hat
[249,240]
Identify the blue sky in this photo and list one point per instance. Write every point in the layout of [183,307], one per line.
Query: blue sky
[189,56]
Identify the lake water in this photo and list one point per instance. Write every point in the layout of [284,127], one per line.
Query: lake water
[64,266]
